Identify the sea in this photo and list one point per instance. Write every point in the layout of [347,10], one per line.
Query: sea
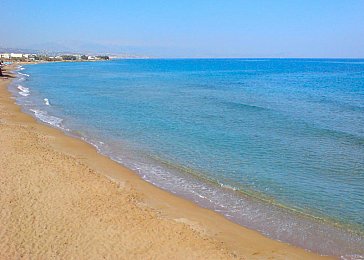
[275,145]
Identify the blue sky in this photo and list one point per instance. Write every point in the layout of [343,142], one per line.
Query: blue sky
[205,28]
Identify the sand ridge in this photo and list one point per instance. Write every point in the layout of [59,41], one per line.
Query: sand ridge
[56,203]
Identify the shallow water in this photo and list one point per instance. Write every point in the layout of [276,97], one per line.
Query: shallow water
[275,144]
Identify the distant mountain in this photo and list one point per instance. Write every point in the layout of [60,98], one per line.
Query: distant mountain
[16,50]
[77,47]
[51,48]
[28,50]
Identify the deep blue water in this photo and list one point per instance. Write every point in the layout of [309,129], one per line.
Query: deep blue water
[273,144]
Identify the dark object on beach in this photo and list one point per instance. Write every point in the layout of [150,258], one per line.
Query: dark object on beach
[1,72]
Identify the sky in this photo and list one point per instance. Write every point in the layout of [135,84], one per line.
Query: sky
[188,28]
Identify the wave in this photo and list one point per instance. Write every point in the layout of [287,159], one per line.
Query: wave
[23,74]
[243,106]
[313,130]
[23,91]
[46,101]
[44,117]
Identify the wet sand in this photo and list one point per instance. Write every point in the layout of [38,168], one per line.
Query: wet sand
[60,199]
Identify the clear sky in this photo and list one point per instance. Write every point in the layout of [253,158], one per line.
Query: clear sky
[188,28]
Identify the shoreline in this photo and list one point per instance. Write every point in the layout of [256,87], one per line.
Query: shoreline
[198,224]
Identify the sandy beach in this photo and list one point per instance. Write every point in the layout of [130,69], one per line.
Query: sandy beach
[60,199]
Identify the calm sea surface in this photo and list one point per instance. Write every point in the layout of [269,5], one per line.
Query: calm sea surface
[273,144]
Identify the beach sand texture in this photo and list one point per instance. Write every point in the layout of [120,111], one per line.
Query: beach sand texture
[60,199]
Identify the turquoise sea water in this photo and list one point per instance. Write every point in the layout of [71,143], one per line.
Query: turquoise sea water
[273,144]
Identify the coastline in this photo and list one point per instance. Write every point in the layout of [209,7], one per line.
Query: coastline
[123,217]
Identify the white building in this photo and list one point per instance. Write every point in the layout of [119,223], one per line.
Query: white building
[91,58]
[16,55]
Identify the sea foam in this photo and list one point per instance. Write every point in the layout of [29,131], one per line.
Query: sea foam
[44,117]
[23,91]
[23,74]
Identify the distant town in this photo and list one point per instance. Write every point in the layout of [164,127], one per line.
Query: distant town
[43,57]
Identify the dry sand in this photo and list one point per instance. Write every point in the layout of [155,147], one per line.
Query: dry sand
[60,199]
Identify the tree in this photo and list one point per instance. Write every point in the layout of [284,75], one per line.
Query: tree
[103,57]
[68,57]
